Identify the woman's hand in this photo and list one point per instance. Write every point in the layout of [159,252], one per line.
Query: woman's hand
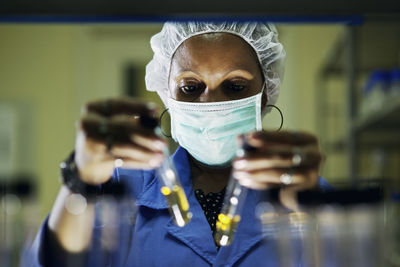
[287,159]
[113,129]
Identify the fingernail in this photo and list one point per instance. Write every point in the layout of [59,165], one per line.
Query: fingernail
[134,138]
[240,175]
[245,182]
[160,145]
[156,161]
[240,164]
[254,141]
[137,139]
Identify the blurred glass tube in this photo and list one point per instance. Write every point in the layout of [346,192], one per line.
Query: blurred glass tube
[290,234]
[11,227]
[332,241]
[350,235]
[365,224]
[346,232]
[229,217]
[235,195]
[393,229]
[18,222]
[173,191]
[296,239]
[271,220]
[115,217]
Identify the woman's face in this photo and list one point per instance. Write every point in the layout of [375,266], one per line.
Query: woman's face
[214,67]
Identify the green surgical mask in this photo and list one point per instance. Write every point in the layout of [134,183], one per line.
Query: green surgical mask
[208,131]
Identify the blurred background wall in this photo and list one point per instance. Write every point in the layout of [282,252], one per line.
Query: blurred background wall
[47,72]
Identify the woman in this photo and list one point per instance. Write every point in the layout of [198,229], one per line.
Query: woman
[217,80]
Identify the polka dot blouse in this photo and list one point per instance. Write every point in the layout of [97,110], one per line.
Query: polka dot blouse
[211,203]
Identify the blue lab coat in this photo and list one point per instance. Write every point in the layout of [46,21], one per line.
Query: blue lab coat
[155,240]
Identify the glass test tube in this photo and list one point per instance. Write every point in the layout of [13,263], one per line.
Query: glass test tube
[229,217]
[235,195]
[172,188]
[173,191]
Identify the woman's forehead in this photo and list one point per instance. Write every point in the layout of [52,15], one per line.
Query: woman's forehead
[214,49]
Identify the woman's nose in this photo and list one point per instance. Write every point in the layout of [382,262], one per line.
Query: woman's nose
[213,94]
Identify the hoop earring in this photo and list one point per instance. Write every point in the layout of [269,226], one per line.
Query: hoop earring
[280,113]
[162,131]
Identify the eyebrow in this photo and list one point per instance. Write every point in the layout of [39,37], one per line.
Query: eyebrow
[187,73]
[244,73]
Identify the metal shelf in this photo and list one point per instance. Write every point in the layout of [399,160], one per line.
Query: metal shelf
[366,140]
[385,119]
[357,52]
[376,43]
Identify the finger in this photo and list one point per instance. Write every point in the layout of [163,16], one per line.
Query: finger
[254,185]
[269,176]
[154,144]
[98,150]
[272,178]
[140,165]
[270,148]
[88,149]
[97,171]
[278,159]
[281,149]
[119,128]
[137,154]
[261,163]
[113,106]
[95,147]
[143,122]
[260,138]
[310,182]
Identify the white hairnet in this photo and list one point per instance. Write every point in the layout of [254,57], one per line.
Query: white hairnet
[263,37]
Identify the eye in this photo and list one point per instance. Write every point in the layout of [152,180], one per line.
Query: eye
[236,86]
[190,87]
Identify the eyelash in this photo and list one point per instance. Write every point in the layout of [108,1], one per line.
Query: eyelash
[229,85]
[237,87]
[189,88]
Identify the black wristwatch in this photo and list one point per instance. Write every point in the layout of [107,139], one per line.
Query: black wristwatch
[70,178]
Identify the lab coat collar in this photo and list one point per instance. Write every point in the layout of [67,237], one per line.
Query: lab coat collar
[197,233]
[249,229]
[151,195]
[248,234]
[193,233]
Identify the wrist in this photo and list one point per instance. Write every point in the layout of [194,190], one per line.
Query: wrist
[71,179]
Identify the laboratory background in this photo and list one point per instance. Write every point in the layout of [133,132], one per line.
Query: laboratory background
[341,83]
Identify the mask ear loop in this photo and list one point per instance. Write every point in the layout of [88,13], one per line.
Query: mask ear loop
[273,106]
[160,120]
[280,113]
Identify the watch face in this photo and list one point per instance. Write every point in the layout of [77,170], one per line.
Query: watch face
[75,204]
